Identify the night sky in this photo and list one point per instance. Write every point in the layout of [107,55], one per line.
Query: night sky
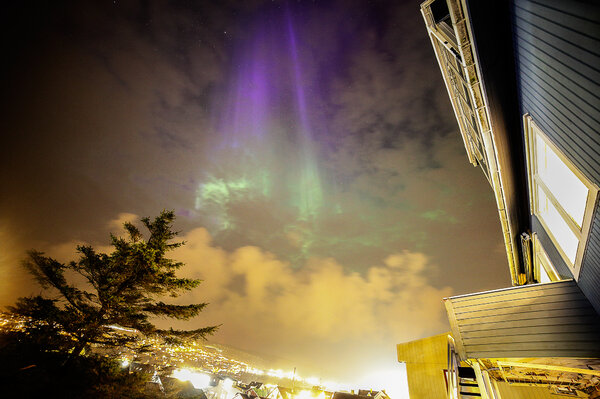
[309,150]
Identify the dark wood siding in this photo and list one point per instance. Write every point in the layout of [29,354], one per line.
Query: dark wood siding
[589,278]
[538,320]
[557,45]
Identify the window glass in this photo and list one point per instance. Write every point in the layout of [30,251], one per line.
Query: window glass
[547,272]
[544,278]
[566,239]
[561,196]
[565,186]
[544,269]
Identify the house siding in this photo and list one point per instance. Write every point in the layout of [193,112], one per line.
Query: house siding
[425,361]
[589,277]
[557,46]
[538,320]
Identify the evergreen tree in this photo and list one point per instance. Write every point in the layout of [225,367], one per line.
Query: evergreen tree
[122,288]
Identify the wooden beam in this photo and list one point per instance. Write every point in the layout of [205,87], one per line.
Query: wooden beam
[458,342]
[480,381]
[549,367]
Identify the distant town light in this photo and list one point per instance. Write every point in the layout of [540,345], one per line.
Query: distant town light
[198,380]
[313,380]
[336,386]
[119,328]
[393,381]
[304,395]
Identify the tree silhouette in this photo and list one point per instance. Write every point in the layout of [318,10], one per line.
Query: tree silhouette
[121,289]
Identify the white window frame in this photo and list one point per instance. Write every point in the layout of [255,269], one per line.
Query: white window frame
[532,131]
[541,261]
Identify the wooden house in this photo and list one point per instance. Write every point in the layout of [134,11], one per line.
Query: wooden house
[523,77]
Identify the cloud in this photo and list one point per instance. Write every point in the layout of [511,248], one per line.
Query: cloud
[266,305]
[116,225]
[309,314]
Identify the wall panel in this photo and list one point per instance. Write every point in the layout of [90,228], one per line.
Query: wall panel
[557,46]
[539,320]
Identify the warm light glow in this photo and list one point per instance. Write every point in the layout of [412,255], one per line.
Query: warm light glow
[281,374]
[303,395]
[119,328]
[313,380]
[198,380]
[124,363]
[335,386]
[393,381]
[227,383]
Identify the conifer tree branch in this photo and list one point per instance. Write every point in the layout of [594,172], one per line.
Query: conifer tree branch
[124,287]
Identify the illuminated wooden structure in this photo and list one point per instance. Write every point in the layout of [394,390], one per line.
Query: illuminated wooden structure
[532,321]
[424,359]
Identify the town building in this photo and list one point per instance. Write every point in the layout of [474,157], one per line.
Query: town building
[523,78]
[425,361]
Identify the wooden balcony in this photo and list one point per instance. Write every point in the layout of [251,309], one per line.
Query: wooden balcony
[532,321]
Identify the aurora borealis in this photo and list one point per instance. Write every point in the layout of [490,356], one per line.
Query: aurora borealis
[265,114]
[308,148]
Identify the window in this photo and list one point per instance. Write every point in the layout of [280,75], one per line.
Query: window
[456,82]
[544,271]
[441,16]
[561,197]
